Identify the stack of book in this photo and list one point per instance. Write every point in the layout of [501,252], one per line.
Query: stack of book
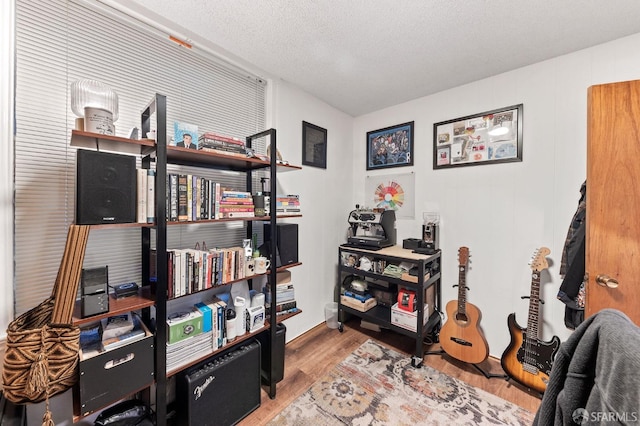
[288,204]
[285,295]
[212,142]
[111,333]
[195,332]
[234,204]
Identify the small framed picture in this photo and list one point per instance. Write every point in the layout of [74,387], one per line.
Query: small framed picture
[390,147]
[314,145]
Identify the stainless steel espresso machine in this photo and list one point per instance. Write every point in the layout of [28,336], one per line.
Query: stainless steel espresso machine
[372,229]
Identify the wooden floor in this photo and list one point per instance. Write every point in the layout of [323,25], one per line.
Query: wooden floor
[310,356]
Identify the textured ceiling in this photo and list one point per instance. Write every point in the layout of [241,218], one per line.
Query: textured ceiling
[364,55]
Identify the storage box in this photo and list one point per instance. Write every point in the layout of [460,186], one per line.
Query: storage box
[357,304]
[115,374]
[405,319]
[183,324]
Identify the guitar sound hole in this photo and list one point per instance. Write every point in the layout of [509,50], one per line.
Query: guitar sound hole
[461,317]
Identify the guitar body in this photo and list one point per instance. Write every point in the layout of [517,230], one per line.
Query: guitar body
[528,361]
[461,337]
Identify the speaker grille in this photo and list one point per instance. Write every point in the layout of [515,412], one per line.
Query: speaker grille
[106,188]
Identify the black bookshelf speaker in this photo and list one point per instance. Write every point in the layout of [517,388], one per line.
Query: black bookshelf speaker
[105,188]
[286,242]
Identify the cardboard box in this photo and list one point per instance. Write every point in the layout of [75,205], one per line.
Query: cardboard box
[405,319]
[183,324]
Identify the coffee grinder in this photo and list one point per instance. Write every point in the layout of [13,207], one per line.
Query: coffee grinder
[430,230]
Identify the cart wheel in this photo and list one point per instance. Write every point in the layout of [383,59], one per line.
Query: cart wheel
[340,327]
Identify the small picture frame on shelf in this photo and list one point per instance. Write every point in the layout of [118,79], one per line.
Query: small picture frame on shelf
[185,135]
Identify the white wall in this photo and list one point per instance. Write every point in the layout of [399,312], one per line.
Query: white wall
[504,212]
[326,197]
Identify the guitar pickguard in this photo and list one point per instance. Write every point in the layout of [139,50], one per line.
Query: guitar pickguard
[537,354]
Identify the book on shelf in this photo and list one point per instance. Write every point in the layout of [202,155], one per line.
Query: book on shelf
[141,195]
[172,196]
[117,325]
[185,135]
[124,339]
[221,139]
[151,204]
[182,198]
[283,306]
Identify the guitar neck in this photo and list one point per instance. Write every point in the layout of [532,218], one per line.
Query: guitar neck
[462,289]
[534,306]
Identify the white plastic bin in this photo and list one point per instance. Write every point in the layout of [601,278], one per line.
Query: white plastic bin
[331,314]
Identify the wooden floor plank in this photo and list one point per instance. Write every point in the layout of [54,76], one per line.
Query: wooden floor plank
[313,354]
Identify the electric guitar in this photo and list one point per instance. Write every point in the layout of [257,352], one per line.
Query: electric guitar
[527,359]
[461,337]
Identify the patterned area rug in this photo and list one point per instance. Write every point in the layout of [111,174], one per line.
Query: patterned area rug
[378,386]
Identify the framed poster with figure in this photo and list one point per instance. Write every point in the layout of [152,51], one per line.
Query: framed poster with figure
[390,147]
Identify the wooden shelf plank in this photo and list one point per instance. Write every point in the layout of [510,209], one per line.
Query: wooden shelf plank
[97,141]
[144,299]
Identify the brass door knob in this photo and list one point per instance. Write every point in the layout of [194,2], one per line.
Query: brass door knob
[606,281]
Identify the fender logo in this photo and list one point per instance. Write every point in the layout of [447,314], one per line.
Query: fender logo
[200,389]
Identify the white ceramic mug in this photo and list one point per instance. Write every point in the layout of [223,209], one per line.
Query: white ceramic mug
[262,264]
[249,267]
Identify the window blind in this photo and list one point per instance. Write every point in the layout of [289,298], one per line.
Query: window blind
[59,42]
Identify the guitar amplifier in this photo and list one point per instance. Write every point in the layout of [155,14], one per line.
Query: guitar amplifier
[221,390]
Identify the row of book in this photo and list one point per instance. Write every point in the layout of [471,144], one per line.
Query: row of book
[192,198]
[193,270]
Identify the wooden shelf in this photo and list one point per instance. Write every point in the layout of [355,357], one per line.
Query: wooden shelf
[236,342]
[231,219]
[144,299]
[97,141]
[285,317]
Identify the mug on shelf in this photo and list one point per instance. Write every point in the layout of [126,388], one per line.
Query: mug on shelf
[261,265]
[249,267]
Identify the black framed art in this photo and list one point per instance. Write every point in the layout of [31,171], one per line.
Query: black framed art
[390,147]
[314,145]
[485,138]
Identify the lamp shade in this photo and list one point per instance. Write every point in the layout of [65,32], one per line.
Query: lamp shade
[93,94]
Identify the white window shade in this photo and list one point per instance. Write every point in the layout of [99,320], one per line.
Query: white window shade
[59,42]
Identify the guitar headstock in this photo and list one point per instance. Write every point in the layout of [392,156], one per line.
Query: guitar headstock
[463,256]
[538,260]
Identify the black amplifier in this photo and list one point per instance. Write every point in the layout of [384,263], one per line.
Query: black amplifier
[221,390]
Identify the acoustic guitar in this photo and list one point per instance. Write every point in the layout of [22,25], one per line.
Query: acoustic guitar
[461,337]
[527,359]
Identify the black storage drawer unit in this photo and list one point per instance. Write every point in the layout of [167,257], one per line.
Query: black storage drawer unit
[114,374]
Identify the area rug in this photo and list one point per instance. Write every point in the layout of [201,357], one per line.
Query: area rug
[378,386]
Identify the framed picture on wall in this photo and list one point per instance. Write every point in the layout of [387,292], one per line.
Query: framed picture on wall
[314,145]
[390,147]
[484,138]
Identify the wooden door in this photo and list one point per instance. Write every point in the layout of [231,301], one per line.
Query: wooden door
[613,198]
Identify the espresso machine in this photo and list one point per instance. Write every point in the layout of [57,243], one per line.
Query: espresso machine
[372,228]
